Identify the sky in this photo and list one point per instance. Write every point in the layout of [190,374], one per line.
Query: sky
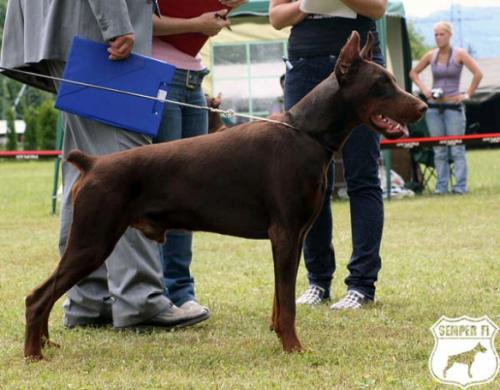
[422,8]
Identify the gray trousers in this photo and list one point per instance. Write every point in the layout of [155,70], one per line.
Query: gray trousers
[129,285]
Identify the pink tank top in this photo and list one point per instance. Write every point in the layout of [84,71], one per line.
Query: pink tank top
[166,52]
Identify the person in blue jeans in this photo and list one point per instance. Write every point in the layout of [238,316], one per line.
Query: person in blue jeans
[313,47]
[446,114]
[183,122]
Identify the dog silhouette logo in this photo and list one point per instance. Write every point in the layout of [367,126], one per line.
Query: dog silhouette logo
[464,351]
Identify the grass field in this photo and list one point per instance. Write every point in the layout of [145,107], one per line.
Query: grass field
[440,257]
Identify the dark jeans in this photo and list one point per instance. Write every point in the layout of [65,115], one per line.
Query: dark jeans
[181,122]
[360,155]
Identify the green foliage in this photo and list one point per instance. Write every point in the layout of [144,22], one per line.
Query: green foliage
[46,125]
[41,130]
[440,257]
[11,130]
[32,97]
[31,132]
[417,42]
[3,8]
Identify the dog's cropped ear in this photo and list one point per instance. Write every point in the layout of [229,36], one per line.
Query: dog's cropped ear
[348,55]
[367,50]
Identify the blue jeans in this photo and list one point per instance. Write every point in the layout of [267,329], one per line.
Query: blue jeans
[446,123]
[360,154]
[181,122]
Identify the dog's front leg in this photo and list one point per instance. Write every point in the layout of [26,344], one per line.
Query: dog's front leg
[286,251]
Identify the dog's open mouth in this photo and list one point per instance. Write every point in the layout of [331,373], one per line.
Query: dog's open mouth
[389,127]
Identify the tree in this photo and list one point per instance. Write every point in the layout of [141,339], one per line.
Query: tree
[417,43]
[47,122]
[31,131]
[11,130]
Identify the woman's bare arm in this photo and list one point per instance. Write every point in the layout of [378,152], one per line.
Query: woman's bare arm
[209,23]
[283,13]
[373,9]
[414,74]
[473,67]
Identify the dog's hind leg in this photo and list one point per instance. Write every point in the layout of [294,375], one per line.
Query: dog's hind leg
[90,243]
[286,253]
[75,265]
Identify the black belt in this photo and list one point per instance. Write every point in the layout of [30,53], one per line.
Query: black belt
[192,79]
[446,106]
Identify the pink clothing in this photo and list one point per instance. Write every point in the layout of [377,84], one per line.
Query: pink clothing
[166,52]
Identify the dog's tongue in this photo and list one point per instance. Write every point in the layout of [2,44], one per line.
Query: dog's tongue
[392,129]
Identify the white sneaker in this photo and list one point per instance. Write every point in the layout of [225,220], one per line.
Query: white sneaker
[352,300]
[314,295]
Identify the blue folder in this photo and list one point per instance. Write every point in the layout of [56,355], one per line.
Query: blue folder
[88,62]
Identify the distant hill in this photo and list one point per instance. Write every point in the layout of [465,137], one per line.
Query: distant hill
[479,29]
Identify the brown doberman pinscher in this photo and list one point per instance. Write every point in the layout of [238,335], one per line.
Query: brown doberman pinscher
[258,180]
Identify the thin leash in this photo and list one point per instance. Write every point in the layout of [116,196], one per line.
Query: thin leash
[158,98]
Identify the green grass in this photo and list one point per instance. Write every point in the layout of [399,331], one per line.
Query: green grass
[440,257]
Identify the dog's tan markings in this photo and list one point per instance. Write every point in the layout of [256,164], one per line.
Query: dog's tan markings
[150,229]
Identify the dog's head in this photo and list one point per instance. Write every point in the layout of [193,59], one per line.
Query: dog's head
[479,348]
[372,93]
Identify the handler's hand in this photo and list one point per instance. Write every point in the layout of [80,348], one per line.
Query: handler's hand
[462,97]
[121,46]
[427,93]
[210,23]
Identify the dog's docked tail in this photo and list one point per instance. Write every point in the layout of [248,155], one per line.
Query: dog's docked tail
[82,161]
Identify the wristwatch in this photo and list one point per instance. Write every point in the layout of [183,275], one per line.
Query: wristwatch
[466,96]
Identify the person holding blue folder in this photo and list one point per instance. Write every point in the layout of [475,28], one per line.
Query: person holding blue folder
[183,122]
[128,289]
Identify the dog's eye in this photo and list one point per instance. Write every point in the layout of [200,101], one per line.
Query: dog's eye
[382,86]
[384,80]
[387,79]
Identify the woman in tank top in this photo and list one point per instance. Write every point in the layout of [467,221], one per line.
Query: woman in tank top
[446,114]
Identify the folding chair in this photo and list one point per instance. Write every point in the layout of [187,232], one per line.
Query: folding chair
[423,159]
